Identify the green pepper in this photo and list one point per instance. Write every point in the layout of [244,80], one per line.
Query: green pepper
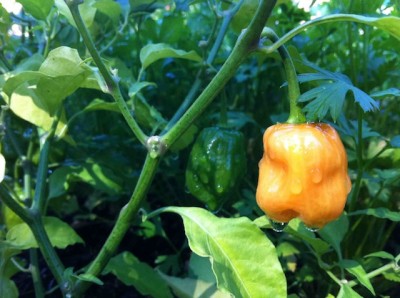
[216,164]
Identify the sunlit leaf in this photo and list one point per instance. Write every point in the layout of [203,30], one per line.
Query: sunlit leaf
[239,252]
[132,272]
[380,254]
[153,52]
[38,9]
[86,9]
[2,167]
[60,233]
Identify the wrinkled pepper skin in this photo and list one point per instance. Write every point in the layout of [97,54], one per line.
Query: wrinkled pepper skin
[303,173]
[216,164]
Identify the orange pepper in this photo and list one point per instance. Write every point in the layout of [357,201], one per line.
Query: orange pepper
[303,173]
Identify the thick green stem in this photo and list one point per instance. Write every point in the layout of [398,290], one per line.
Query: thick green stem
[295,115]
[112,86]
[210,59]
[49,254]
[123,222]
[247,42]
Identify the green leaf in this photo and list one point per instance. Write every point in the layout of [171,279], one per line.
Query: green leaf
[185,139]
[200,268]
[334,232]
[297,229]
[86,10]
[8,288]
[385,93]
[26,104]
[38,9]
[380,254]
[354,268]
[383,213]
[330,96]
[347,292]
[153,52]
[100,177]
[128,269]
[243,259]
[109,8]
[98,104]
[60,233]
[147,115]
[89,278]
[137,86]
[193,288]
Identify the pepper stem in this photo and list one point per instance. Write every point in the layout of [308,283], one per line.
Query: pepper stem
[296,115]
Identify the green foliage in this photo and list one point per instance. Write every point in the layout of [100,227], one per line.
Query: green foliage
[234,261]
[60,233]
[73,127]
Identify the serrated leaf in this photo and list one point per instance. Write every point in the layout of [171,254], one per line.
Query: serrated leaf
[379,213]
[38,9]
[128,269]
[354,268]
[388,92]
[60,233]
[331,95]
[243,259]
[153,52]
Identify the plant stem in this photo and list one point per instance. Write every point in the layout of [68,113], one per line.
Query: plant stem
[111,83]
[360,168]
[35,272]
[318,21]
[123,222]
[247,42]
[376,272]
[295,115]
[49,254]
[209,61]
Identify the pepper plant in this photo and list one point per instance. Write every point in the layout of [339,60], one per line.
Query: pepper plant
[131,135]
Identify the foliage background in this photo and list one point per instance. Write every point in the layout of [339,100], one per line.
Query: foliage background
[92,172]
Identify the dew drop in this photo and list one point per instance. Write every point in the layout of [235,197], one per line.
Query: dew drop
[278,226]
[296,187]
[311,229]
[316,176]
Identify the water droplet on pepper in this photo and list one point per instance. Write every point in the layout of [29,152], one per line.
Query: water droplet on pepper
[316,176]
[278,226]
